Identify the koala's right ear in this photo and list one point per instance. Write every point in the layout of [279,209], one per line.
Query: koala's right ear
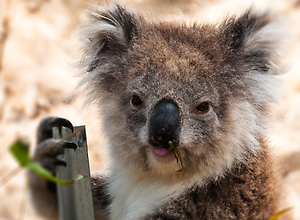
[107,35]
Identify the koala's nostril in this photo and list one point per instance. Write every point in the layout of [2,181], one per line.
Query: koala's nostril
[156,140]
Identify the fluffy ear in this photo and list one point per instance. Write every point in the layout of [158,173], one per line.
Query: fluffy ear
[254,40]
[107,35]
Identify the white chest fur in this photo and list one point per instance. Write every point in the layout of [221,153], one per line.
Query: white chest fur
[133,200]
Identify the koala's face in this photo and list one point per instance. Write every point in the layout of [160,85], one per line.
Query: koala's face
[171,97]
[192,86]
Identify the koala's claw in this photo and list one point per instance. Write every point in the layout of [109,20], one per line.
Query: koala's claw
[48,157]
[69,144]
[45,127]
[60,163]
[46,149]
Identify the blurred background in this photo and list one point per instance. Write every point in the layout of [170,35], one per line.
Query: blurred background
[39,49]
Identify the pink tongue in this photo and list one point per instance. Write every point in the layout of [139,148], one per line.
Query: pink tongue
[161,151]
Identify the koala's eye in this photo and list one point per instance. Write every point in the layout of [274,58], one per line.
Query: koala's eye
[202,108]
[136,101]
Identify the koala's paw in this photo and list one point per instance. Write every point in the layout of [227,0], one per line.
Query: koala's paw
[49,148]
[46,125]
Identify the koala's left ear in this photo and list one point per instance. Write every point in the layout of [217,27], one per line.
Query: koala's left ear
[107,35]
[254,41]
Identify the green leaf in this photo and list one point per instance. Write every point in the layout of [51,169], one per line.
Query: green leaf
[20,150]
[38,169]
[177,156]
[278,214]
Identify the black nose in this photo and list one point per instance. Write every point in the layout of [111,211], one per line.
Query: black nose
[164,124]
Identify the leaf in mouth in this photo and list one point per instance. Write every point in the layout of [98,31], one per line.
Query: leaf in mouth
[177,155]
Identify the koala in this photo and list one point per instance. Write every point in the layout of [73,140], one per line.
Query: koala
[205,88]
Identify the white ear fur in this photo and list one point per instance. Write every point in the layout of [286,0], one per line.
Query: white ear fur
[256,41]
[107,33]
[269,40]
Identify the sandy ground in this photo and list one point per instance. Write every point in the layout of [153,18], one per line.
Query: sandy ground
[38,54]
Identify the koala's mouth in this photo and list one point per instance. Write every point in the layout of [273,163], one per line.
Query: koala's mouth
[161,151]
[170,152]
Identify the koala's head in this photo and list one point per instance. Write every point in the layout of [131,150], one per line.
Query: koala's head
[205,88]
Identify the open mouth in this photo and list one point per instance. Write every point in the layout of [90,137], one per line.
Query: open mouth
[163,153]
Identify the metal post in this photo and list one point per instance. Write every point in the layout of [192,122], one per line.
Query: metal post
[75,200]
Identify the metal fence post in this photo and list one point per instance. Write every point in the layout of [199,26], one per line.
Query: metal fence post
[75,200]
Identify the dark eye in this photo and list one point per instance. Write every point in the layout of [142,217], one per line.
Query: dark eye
[202,108]
[136,101]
